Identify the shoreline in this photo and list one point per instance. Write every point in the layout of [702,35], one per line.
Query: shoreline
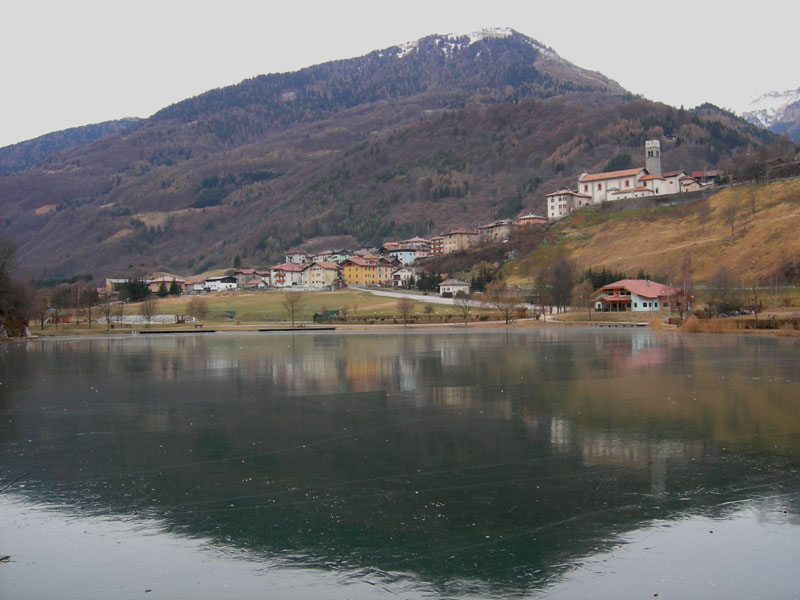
[272,327]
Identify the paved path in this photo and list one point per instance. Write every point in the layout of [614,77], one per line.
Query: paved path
[430,297]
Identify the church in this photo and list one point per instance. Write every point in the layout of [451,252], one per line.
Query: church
[639,182]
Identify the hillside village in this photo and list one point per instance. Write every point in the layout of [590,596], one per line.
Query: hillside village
[396,263]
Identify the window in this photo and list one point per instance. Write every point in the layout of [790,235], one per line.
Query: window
[635,305]
[626,183]
[599,186]
[586,188]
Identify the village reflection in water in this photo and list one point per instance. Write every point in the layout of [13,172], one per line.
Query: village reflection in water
[495,457]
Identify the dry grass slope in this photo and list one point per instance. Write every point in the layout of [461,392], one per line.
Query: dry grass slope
[751,229]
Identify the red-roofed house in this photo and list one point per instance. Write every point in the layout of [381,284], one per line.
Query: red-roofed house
[532,219]
[638,295]
[286,275]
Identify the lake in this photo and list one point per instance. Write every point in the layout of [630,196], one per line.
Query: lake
[549,462]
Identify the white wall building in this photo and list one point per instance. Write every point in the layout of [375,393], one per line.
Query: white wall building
[563,202]
[600,185]
[221,284]
[453,286]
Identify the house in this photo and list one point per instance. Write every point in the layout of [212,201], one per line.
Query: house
[689,184]
[286,275]
[195,286]
[297,257]
[563,202]
[320,274]
[453,287]
[498,231]
[402,277]
[221,283]
[531,219]
[324,256]
[437,245]
[357,270]
[458,239]
[637,295]
[155,284]
[263,276]
[417,242]
[244,276]
[406,255]
[706,176]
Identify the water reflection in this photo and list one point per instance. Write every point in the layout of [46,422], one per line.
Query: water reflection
[479,462]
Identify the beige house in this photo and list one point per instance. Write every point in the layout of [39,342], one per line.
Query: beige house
[459,239]
[320,274]
[155,284]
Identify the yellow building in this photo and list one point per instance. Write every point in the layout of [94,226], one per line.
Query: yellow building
[360,271]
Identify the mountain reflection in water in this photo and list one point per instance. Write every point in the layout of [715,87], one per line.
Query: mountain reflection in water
[488,463]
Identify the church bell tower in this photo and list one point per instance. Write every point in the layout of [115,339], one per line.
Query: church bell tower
[652,153]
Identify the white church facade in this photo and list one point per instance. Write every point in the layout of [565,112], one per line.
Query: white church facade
[639,182]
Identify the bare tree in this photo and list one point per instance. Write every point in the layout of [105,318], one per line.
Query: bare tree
[681,300]
[505,302]
[723,291]
[148,309]
[729,214]
[293,303]
[197,308]
[582,296]
[755,297]
[344,310]
[107,309]
[464,306]
[405,306]
[562,278]
[544,297]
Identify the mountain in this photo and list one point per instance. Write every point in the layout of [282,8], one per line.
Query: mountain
[777,111]
[409,140]
[24,155]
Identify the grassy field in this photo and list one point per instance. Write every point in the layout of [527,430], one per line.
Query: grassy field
[251,309]
[268,305]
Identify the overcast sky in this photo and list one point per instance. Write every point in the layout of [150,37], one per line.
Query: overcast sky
[69,63]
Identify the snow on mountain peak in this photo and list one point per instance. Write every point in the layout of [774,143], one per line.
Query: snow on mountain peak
[452,41]
[769,108]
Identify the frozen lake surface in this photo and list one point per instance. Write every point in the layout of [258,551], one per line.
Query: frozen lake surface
[544,463]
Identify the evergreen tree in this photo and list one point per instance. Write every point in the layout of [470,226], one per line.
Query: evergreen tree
[174,288]
[162,290]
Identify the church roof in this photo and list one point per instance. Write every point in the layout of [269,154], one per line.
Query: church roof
[611,175]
